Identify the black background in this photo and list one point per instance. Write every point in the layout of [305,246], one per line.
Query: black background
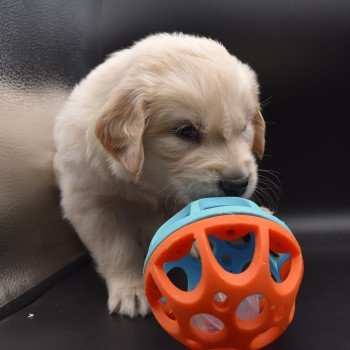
[299,49]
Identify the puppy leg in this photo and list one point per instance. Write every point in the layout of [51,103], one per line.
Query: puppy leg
[113,246]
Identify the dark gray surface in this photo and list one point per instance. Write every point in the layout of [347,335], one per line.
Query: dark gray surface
[73,315]
[48,41]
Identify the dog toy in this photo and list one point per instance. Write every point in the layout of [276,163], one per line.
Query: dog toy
[223,274]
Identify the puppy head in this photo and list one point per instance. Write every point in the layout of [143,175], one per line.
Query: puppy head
[186,116]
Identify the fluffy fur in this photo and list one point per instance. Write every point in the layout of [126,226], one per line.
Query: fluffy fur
[121,164]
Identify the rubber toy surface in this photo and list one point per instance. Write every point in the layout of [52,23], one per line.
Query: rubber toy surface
[223,274]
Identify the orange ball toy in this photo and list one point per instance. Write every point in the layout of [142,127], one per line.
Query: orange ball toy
[223,274]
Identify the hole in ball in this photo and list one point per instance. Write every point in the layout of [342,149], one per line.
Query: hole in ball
[207,323]
[220,298]
[249,308]
[178,278]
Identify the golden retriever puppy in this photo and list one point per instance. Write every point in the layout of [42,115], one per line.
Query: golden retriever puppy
[172,119]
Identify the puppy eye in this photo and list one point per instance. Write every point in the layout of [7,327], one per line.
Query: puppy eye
[244,128]
[187,132]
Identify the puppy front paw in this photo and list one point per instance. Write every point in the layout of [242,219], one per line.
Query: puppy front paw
[127,298]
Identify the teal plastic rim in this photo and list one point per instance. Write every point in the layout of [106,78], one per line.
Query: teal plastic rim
[203,209]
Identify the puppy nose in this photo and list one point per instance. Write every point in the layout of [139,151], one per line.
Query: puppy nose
[234,187]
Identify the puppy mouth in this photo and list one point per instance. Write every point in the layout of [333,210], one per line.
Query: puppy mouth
[224,188]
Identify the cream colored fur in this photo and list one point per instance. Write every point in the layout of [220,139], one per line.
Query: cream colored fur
[122,169]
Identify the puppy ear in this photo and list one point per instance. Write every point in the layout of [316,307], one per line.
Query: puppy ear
[259,136]
[120,129]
